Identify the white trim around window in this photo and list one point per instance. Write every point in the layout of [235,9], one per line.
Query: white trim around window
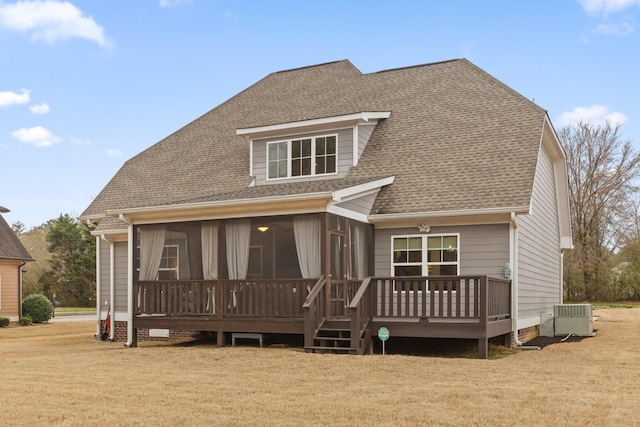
[302,157]
[422,254]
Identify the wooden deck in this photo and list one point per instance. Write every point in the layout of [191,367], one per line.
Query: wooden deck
[471,307]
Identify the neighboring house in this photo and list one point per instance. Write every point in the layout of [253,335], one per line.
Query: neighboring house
[13,256]
[325,202]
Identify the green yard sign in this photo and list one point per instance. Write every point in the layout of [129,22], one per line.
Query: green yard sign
[383,334]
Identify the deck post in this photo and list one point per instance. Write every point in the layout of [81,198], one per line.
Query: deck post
[483,342]
[508,340]
[483,348]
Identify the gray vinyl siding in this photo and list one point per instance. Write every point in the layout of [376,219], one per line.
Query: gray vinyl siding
[120,267]
[360,205]
[345,155]
[539,259]
[484,249]
[364,133]
[104,272]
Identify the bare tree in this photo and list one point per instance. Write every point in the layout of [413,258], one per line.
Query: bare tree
[602,169]
[36,243]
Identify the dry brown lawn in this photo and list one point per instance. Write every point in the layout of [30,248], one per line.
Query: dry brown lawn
[58,374]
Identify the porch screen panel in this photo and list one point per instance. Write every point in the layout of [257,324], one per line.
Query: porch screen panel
[209,237]
[358,255]
[238,237]
[151,247]
[307,234]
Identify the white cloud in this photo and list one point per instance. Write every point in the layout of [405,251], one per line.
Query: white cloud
[172,3]
[595,7]
[10,98]
[50,21]
[595,114]
[38,136]
[621,29]
[40,108]
[77,141]
[113,154]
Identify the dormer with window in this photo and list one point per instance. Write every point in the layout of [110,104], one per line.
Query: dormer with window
[311,149]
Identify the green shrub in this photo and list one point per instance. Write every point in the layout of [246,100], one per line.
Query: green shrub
[38,307]
[4,322]
[25,321]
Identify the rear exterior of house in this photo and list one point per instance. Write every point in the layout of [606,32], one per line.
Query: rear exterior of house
[13,256]
[324,202]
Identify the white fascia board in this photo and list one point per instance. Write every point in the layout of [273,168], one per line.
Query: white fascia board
[116,235]
[224,203]
[379,218]
[551,142]
[332,208]
[350,119]
[361,190]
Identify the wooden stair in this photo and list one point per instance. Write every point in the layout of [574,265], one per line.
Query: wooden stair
[334,336]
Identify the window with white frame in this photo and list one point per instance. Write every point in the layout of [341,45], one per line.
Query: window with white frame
[302,157]
[425,255]
[168,269]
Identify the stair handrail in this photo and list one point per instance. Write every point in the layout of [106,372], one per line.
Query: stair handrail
[360,313]
[313,309]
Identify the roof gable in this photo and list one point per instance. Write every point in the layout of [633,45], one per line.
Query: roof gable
[10,245]
[456,139]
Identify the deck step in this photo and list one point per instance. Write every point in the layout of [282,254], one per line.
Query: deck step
[329,338]
[333,336]
[330,349]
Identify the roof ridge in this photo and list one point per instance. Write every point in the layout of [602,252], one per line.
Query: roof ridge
[506,86]
[417,66]
[315,65]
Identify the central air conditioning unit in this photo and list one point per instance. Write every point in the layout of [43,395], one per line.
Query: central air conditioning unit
[546,325]
[573,319]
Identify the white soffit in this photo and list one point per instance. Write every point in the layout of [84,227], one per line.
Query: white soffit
[314,124]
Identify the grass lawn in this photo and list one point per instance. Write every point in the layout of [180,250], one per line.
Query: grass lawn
[59,374]
[74,310]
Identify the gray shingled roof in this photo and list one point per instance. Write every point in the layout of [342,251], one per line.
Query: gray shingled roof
[457,139]
[10,245]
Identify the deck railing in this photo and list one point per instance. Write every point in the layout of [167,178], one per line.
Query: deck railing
[462,297]
[223,298]
[480,299]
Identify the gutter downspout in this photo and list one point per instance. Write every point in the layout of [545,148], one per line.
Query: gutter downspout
[98,285]
[112,285]
[513,259]
[561,276]
[20,289]
[130,253]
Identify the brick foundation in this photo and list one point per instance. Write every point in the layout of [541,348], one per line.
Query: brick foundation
[120,334]
[527,334]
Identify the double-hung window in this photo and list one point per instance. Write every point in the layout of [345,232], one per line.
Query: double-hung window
[425,255]
[302,157]
[168,269]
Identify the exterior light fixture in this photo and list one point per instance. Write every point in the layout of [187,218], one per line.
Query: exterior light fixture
[507,271]
[424,228]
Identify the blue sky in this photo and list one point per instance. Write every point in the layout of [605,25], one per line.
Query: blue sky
[85,85]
